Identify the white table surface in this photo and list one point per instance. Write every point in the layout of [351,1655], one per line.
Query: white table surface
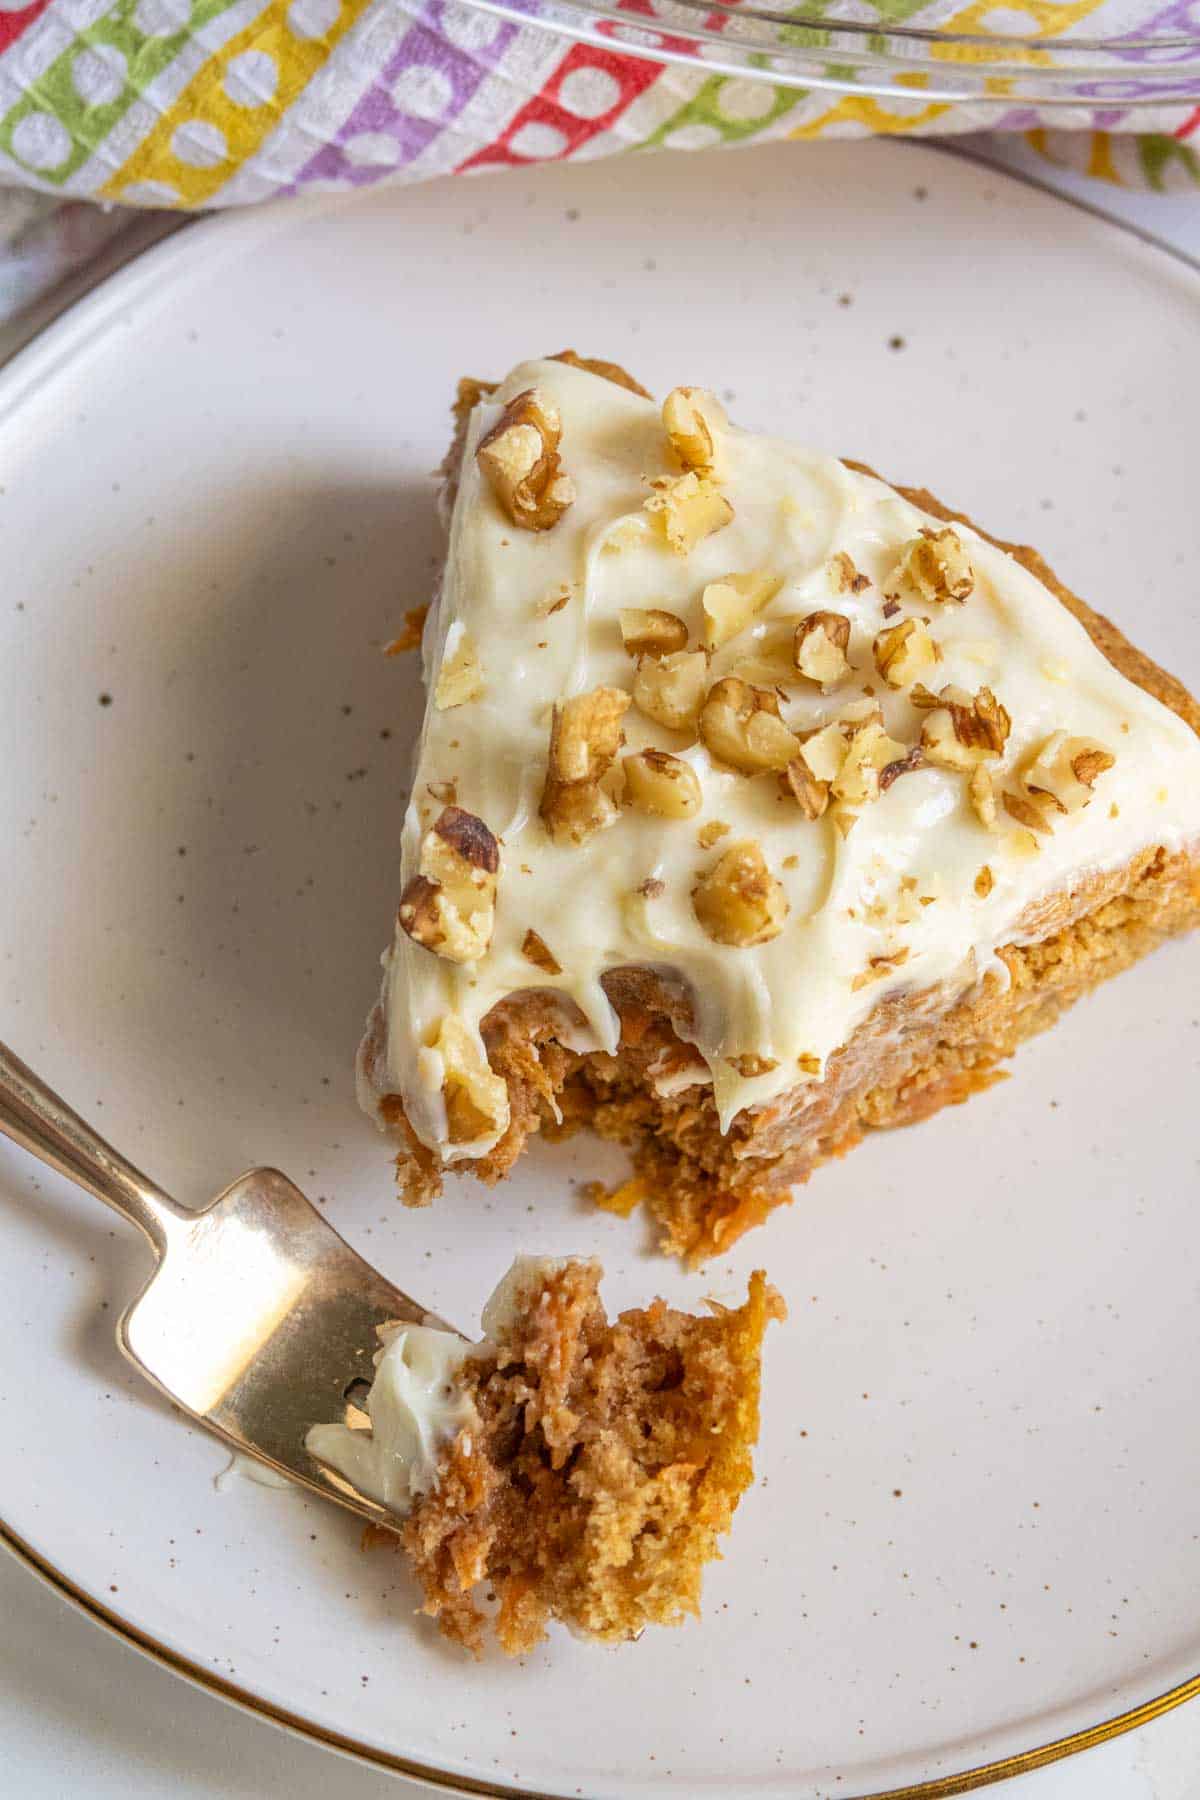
[83,1714]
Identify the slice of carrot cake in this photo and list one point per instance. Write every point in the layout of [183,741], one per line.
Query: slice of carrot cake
[758,803]
[568,1467]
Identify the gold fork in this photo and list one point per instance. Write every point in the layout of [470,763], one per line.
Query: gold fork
[258,1320]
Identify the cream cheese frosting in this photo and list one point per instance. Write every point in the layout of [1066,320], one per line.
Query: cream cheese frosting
[911,891]
[415,1408]
[416,1405]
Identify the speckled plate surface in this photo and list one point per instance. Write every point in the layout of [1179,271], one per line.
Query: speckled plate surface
[976,1526]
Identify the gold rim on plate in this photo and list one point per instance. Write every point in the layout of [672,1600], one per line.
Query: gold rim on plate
[1023,1762]
[982,1775]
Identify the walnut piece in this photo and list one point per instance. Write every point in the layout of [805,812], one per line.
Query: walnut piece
[819,648]
[554,601]
[460,677]
[585,735]
[650,631]
[656,782]
[961,730]
[843,575]
[933,567]
[749,1064]
[907,764]
[798,781]
[824,751]
[535,950]
[738,901]
[740,726]
[693,420]
[1066,769]
[476,1100]
[869,752]
[688,507]
[670,689]
[708,834]
[519,456]
[730,603]
[449,906]
[878,967]
[981,790]
[1027,811]
[904,652]
[608,371]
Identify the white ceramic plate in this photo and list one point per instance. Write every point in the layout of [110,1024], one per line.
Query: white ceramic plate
[976,1529]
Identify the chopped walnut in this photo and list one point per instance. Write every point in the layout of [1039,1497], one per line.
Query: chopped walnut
[981,790]
[449,906]
[906,907]
[740,726]
[960,731]
[908,764]
[985,881]
[904,652]
[933,566]
[808,1064]
[670,689]
[650,631]
[519,456]
[1066,769]
[460,677]
[656,782]
[535,950]
[709,834]
[1026,811]
[880,966]
[554,601]
[749,1065]
[730,604]
[607,371]
[476,1099]
[689,508]
[1090,762]
[738,901]
[825,751]
[585,735]
[652,888]
[819,648]
[693,419]
[843,575]
[810,795]
[868,754]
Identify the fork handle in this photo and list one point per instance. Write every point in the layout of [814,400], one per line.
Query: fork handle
[34,1117]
